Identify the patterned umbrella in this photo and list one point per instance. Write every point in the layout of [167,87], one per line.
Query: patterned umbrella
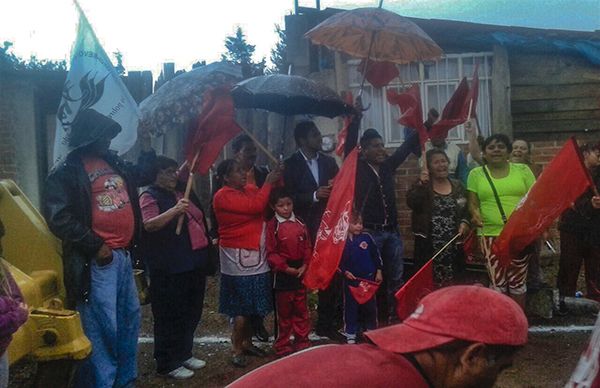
[289,95]
[376,34]
[178,103]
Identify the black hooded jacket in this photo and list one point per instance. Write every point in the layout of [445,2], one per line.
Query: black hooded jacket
[67,202]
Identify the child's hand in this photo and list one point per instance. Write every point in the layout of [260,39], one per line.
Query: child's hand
[378,276]
[301,270]
[349,275]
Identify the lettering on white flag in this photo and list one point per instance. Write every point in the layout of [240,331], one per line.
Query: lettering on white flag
[92,82]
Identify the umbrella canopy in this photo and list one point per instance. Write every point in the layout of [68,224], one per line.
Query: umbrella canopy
[178,103]
[289,95]
[376,34]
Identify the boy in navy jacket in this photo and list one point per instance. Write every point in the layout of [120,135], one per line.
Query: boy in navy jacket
[360,261]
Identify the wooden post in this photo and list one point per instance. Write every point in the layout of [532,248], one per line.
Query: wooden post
[260,145]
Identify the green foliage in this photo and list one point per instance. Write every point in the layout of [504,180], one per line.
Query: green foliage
[10,61]
[279,53]
[240,52]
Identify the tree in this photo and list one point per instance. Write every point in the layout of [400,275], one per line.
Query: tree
[10,61]
[240,52]
[279,53]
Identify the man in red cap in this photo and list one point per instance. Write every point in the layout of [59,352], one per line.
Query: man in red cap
[461,336]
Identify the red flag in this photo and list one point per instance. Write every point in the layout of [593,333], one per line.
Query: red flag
[339,150]
[587,371]
[456,110]
[411,113]
[419,285]
[364,290]
[552,193]
[379,74]
[216,126]
[333,229]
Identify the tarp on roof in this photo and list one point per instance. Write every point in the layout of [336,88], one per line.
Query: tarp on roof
[589,49]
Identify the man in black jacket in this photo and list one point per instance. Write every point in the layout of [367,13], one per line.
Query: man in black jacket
[91,204]
[375,195]
[307,175]
[580,237]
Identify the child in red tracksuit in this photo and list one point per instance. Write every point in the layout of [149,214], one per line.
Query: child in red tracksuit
[288,252]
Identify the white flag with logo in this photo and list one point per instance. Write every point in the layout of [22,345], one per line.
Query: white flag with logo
[92,82]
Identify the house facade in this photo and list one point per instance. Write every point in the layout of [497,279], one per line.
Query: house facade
[539,85]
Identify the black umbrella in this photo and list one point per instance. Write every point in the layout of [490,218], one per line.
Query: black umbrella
[289,95]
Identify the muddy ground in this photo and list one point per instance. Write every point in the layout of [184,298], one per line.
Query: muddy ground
[547,361]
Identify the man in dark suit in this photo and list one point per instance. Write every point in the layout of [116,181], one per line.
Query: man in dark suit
[307,175]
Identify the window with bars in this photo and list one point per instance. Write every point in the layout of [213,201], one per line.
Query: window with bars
[437,81]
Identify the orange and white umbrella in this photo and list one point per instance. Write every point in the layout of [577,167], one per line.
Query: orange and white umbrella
[375,34]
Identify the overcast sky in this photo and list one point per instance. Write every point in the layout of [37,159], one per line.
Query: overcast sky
[149,32]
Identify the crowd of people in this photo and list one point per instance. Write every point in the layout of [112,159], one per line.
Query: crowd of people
[258,232]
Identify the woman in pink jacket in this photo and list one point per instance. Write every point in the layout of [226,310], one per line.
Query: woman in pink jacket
[13,313]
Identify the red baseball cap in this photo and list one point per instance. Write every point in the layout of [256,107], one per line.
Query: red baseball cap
[469,313]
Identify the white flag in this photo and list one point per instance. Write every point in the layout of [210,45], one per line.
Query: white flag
[587,371]
[92,82]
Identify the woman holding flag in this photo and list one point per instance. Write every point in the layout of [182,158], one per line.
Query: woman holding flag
[439,211]
[494,191]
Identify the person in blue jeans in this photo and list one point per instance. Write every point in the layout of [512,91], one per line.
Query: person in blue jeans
[91,204]
[375,196]
[360,261]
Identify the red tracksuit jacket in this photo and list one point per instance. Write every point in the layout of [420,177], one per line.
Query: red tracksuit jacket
[288,245]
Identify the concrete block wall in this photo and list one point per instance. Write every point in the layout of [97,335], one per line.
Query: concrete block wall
[8,153]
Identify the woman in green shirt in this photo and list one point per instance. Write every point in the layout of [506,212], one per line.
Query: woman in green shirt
[489,211]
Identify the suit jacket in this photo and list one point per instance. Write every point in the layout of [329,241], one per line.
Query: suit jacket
[300,182]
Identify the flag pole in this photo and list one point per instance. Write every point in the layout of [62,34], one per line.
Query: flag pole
[470,107]
[188,190]
[439,252]
[260,145]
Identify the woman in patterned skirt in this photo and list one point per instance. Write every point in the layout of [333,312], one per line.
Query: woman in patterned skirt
[439,212]
[245,279]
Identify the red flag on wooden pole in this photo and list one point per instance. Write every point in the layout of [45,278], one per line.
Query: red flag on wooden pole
[411,112]
[216,126]
[331,237]
[559,185]
[419,285]
[456,110]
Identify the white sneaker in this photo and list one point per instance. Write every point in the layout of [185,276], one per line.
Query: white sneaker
[194,363]
[181,373]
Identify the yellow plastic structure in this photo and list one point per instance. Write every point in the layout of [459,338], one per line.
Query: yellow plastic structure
[33,256]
